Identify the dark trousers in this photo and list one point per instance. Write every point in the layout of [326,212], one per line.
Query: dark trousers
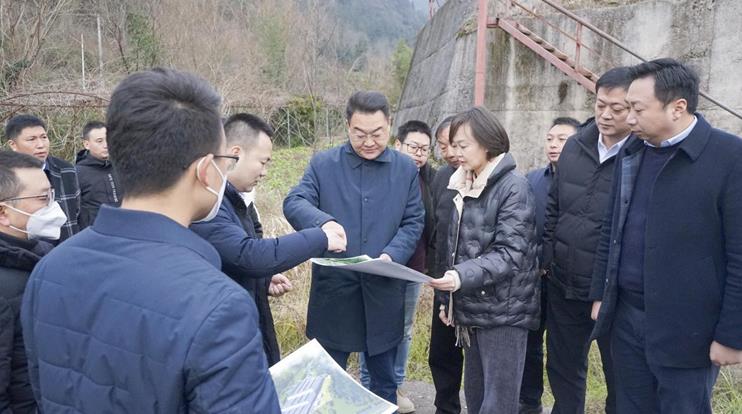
[568,329]
[532,386]
[380,370]
[495,357]
[644,388]
[446,362]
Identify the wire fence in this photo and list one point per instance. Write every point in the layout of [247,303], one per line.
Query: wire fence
[296,121]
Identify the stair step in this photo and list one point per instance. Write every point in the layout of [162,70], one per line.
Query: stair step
[523,29]
[560,55]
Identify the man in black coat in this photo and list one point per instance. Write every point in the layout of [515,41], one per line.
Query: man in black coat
[668,274]
[95,173]
[532,386]
[236,233]
[575,210]
[23,189]
[27,134]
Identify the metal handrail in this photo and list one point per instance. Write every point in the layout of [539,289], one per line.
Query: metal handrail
[620,45]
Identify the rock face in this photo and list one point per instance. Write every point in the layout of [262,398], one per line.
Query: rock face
[526,92]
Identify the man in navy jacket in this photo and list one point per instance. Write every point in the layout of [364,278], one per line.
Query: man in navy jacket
[250,260]
[370,194]
[133,315]
[668,273]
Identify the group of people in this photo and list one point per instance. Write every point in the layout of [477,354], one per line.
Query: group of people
[629,236]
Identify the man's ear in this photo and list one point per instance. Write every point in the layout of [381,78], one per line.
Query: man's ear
[12,144]
[679,107]
[4,219]
[201,167]
[86,144]
[397,145]
[235,150]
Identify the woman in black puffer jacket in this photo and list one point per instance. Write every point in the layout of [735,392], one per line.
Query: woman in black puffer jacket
[493,279]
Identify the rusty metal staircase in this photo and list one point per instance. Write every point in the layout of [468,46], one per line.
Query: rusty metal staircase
[570,64]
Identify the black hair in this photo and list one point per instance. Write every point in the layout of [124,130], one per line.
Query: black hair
[443,125]
[672,80]
[367,102]
[566,120]
[245,128]
[485,128]
[413,126]
[619,77]
[160,121]
[10,161]
[91,126]
[18,123]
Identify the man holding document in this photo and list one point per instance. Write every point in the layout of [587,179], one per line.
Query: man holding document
[370,195]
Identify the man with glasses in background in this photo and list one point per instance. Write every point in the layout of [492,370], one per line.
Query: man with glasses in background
[28,212]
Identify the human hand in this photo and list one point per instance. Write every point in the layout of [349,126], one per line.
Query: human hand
[722,355]
[447,283]
[596,310]
[336,239]
[279,285]
[444,318]
[385,257]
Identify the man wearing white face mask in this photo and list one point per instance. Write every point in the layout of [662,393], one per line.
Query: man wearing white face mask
[27,211]
[133,314]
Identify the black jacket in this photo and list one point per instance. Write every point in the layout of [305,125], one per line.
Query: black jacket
[442,200]
[63,178]
[693,248]
[494,249]
[422,259]
[17,259]
[97,186]
[575,210]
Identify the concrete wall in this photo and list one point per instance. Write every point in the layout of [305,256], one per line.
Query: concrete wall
[526,92]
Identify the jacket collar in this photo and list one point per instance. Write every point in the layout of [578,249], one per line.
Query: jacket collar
[464,182]
[356,161]
[587,137]
[142,225]
[692,146]
[84,158]
[21,254]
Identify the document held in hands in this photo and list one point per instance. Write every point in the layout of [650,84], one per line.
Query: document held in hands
[377,267]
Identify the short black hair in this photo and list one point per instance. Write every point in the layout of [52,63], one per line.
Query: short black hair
[619,77]
[10,161]
[18,123]
[245,128]
[443,125]
[485,128]
[91,126]
[160,121]
[413,126]
[566,120]
[672,80]
[367,102]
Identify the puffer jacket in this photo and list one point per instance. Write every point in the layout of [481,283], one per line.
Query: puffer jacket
[493,247]
[17,260]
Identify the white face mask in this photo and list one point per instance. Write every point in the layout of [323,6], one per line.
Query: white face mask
[219,194]
[45,223]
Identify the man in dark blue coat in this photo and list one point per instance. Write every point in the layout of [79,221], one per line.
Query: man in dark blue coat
[532,387]
[669,264]
[132,315]
[370,194]
[250,260]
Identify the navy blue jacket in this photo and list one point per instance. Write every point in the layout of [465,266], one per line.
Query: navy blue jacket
[132,315]
[251,260]
[693,248]
[540,180]
[379,204]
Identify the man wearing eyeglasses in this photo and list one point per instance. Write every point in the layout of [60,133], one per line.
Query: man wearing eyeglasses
[27,134]
[369,194]
[27,212]
[251,261]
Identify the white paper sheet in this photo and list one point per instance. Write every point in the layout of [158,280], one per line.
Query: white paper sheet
[378,267]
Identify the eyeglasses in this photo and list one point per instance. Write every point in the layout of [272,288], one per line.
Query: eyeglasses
[48,198]
[414,148]
[232,164]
